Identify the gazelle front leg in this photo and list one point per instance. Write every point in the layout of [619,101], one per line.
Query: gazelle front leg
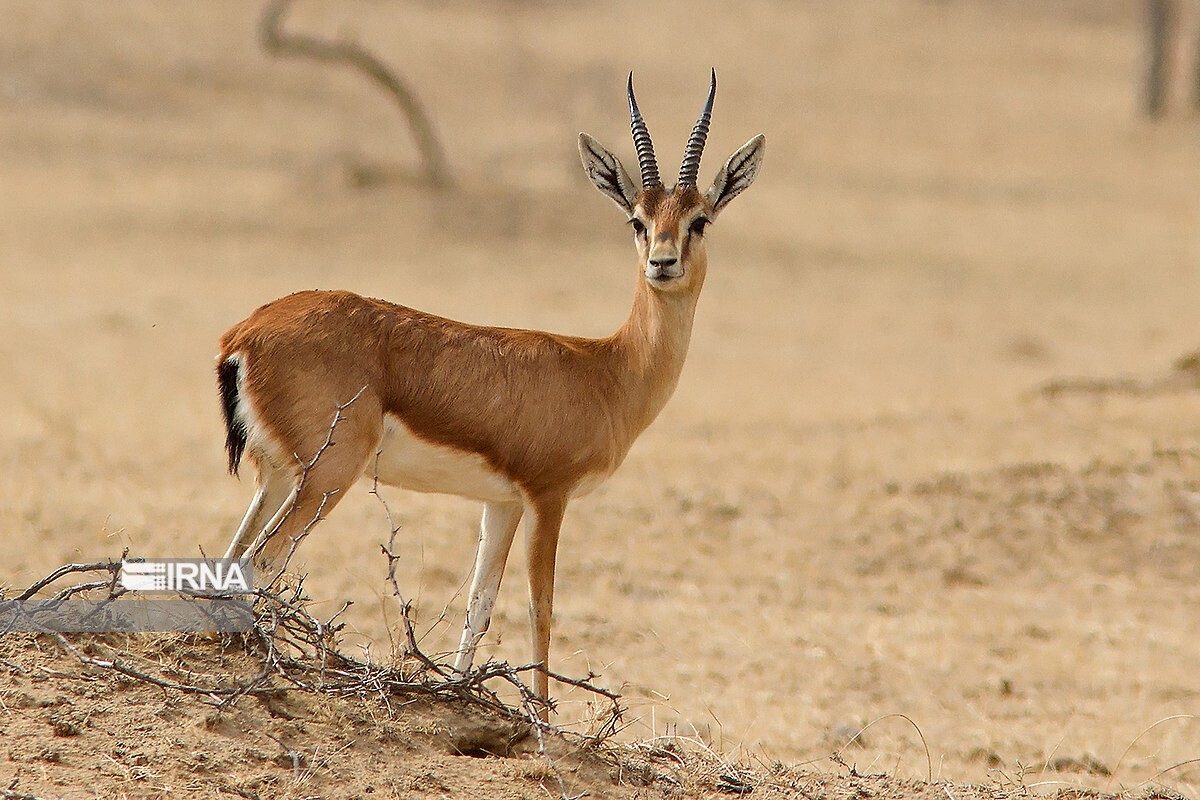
[495,540]
[542,545]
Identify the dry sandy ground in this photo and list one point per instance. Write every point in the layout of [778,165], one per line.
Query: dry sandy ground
[74,731]
[856,506]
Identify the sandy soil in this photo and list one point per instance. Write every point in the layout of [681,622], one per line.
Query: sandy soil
[858,505]
[74,731]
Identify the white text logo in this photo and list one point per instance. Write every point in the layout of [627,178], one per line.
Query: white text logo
[187,575]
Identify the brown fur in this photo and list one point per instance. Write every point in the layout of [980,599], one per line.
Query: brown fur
[544,410]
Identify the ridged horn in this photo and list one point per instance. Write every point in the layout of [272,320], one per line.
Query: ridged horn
[690,168]
[647,163]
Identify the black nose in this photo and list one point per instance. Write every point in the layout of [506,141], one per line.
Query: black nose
[663,262]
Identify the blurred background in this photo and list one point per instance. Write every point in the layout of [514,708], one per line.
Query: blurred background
[934,452]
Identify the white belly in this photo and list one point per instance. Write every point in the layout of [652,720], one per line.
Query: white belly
[410,462]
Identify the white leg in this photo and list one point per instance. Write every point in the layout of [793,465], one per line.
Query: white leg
[496,533]
[274,486]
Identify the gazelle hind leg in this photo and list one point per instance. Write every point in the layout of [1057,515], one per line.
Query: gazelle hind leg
[274,487]
[496,532]
[312,497]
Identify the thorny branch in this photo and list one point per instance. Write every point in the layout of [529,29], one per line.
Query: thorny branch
[298,650]
[389,552]
[66,569]
[351,54]
[12,794]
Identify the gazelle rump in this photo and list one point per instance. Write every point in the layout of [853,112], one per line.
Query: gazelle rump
[320,388]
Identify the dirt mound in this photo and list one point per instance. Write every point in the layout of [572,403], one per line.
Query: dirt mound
[77,730]
[72,729]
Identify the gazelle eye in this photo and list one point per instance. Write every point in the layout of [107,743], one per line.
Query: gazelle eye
[698,226]
[638,228]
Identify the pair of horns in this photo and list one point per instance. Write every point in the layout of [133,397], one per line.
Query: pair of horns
[690,168]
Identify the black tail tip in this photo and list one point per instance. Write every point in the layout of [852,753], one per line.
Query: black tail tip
[235,431]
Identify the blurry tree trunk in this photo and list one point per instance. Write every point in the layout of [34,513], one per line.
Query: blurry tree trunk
[1160,25]
[1196,73]
[351,54]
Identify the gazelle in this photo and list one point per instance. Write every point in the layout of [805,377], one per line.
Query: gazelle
[522,420]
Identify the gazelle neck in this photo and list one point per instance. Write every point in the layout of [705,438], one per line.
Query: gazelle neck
[653,345]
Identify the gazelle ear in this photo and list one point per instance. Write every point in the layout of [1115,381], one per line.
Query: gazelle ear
[605,170]
[737,174]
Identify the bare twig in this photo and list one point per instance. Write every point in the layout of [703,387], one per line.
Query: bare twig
[1136,739]
[389,551]
[11,794]
[351,54]
[1171,768]
[68,569]
[298,650]
[906,718]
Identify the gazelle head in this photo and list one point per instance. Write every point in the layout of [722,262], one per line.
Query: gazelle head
[669,223]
